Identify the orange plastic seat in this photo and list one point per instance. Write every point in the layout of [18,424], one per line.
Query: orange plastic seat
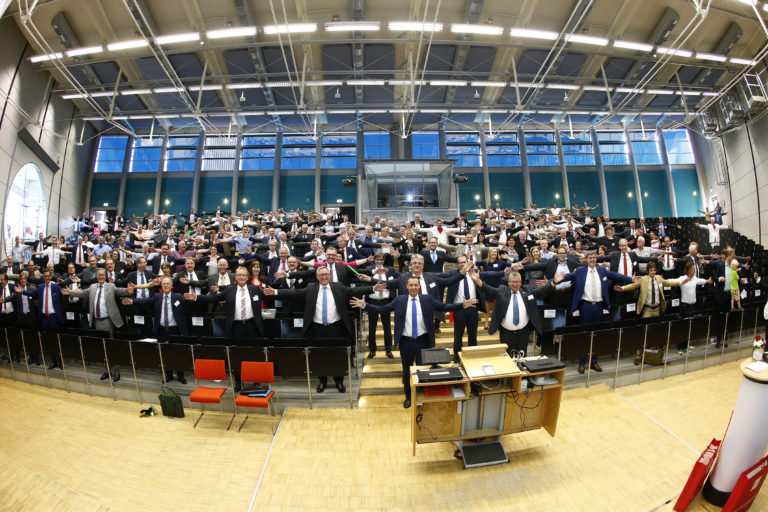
[256,372]
[208,369]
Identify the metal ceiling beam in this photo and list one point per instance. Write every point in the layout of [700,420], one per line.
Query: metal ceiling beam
[471,15]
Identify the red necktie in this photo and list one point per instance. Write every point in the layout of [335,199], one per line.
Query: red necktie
[439,230]
[625,265]
[45,298]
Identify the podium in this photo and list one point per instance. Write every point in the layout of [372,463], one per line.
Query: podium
[491,399]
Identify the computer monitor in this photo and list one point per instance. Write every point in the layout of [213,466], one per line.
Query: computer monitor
[435,356]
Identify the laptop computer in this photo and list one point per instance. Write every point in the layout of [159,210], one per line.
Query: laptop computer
[439,374]
[541,365]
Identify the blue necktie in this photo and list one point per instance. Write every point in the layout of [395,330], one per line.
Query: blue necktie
[466,288]
[414,319]
[325,306]
[515,309]
[434,257]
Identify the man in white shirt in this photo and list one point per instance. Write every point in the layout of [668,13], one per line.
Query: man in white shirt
[713,230]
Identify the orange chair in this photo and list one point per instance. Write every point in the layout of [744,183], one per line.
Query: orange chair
[259,373]
[208,369]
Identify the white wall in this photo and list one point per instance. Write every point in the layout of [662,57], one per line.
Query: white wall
[58,135]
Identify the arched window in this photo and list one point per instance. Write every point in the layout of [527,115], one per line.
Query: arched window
[25,212]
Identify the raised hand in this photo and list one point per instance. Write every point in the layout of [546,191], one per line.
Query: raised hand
[215,288]
[364,278]
[636,278]
[190,296]
[559,277]
[184,280]
[64,291]
[380,286]
[127,302]
[269,291]
[381,270]
[357,303]
[617,288]
[131,287]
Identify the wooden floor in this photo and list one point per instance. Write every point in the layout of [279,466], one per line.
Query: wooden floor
[629,450]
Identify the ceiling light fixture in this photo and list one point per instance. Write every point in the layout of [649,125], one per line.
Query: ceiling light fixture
[337,95]
[674,51]
[742,62]
[466,28]
[448,83]
[365,82]
[352,26]
[290,28]
[163,90]
[629,45]
[533,34]
[477,94]
[231,32]
[127,45]
[86,50]
[415,26]
[711,56]
[178,38]
[245,85]
[488,83]
[582,39]
[43,58]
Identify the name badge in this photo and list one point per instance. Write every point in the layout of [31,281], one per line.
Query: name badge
[298,322]
[757,293]
[631,307]
[743,294]
[389,278]
[197,321]
[605,311]
[138,320]
[634,263]
[255,298]
[431,285]
[577,313]
[530,297]
[605,278]
[675,303]
[177,303]
[549,313]
[667,288]
[70,315]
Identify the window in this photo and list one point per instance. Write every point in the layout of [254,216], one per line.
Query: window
[376,146]
[541,149]
[339,152]
[426,145]
[645,146]
[219,154]
[679,149]
[25,211]
[613,148]
[146,154]
[298,152]
[258,153]
[110,154]
[465,148]
[577,148]
[502,150]
[181,154]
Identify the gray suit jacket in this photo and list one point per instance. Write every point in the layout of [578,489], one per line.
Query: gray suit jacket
[110,290]
[214,279]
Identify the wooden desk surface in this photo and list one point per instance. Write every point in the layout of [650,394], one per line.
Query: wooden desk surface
[473,359]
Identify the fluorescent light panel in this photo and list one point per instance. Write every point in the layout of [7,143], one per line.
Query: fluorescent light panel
[466,28]
[231,32]
[280,112]
[290,28]
[711,56]
[629,45]
[415,26]
[86,50]
[366,82]
[162,90]
[373,111]
[567,87]
[281,84]
[533,34]
[673,51]
[245,85]
[133,92]
[324,83]
[207,87]
[43,58]
[178,38]
[582,39]
[659,91]
[127,45]
[488,83]
[352,26]
[742,62]
[448,83]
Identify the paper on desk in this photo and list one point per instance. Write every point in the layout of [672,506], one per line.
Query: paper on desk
[757,366]
[457,392]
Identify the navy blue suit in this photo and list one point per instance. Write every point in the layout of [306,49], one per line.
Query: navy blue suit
[176,310]
[579,279]
[410,350]
[51,321]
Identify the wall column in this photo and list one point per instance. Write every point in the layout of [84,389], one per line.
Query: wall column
[160,176]
[668,172]
[276,172]
[486,176]
[124,175]
[361,185]
[442,145]
[318,167]
[198,167]
[635,174]
[563,172]
[236,175]
[600,173]
[524,166]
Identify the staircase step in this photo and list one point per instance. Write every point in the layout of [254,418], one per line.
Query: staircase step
[382,369]
[379,401]
[381,386]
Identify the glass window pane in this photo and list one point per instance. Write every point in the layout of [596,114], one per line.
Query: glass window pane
[376,146]
[425,145]
[679,149]
[110,153]
[26,214]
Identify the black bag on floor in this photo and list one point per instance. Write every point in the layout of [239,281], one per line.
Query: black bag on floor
[170,403]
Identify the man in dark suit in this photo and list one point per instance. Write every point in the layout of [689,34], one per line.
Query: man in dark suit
[164,257]
[326,311]
[414,327]
[169,318]
[242,306]
[50,305]
[590,295]
[434,259]
[380,273]
[516,310]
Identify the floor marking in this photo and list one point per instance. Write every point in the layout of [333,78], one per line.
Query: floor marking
[266,461]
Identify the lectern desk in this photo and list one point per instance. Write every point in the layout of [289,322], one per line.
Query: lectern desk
[492,399]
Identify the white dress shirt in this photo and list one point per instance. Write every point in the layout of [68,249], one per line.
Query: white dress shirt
[592,289]
[630,269]
[508,322]
[382,295]
[333,313]
[713,230]
[654,292]
[563,268]
[224,280]
[688,290]
[422,327]
[49,298]
[167,304]
[100,307]
[53,254]
[7,306]
[141,278]
[242,291]
[460,293]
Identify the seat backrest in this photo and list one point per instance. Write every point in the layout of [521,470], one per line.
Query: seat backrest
[210,369]
[252,371]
